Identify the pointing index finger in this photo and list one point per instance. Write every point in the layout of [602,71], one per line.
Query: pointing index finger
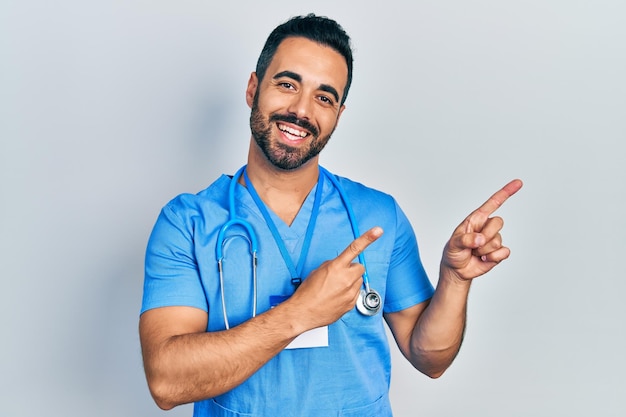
[359,244]
[496,200]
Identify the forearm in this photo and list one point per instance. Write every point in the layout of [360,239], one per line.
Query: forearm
[437,337]
[195,366]
[474,248]
[184,363]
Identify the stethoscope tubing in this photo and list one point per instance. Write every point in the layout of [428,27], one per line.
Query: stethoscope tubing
[219,247]
[369,300]
[353,222]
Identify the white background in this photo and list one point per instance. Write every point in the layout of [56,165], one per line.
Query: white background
[108,109]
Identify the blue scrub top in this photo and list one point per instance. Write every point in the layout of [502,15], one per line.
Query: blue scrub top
[349,377]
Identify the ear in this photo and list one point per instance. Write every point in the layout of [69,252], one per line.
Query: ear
[253,84]
[341,109]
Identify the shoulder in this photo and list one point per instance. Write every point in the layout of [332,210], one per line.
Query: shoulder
[371,207]
[359,193]
[214,194]
[187,210]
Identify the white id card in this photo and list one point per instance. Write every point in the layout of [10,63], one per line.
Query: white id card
[313,338]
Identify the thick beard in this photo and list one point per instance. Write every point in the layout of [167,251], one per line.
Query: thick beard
[283,156]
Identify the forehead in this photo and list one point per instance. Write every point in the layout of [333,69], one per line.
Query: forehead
[314,62]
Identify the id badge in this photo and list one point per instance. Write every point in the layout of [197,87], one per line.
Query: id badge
[313,338]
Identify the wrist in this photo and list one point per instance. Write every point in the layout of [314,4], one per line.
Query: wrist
[450,277]
[292,317]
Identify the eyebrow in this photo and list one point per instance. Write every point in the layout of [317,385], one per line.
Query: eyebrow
[297,77]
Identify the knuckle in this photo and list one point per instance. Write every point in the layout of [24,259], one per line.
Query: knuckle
[358,269]
[354,248]
[498,221]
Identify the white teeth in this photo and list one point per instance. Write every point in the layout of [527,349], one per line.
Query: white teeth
[292,131]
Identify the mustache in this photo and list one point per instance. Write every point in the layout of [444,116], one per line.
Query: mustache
[290,118]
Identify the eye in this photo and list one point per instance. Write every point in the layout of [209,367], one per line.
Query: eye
[286,85]
[326,100]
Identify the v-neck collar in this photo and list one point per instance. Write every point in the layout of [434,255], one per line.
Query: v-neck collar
[298,227]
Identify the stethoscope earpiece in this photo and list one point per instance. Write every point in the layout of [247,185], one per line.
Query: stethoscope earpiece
[368,303]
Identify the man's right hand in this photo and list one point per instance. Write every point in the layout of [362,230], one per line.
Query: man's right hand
[331,290]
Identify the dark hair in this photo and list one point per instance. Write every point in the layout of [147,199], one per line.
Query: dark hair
[319,29]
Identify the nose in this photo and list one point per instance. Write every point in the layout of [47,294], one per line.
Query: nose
[300,106]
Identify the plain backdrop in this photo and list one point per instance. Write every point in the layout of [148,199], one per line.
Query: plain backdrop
[108,109]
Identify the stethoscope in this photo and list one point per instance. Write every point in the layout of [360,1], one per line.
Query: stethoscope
[369,301]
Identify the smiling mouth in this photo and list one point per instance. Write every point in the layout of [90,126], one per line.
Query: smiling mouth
[292,133]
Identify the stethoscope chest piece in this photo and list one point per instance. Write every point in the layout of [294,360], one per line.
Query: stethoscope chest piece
[368,303]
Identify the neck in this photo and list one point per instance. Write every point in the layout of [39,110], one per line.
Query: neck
[282,191]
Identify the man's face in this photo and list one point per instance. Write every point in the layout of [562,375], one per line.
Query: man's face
[296,107]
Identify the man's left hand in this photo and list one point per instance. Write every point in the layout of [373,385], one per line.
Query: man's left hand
[476,244]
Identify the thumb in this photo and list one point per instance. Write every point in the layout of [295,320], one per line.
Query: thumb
[464,238]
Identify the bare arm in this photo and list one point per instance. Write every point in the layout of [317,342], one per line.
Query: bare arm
[430,334]
[184,363]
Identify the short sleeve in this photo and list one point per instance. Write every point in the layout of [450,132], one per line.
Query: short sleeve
[407,282]
[171,271]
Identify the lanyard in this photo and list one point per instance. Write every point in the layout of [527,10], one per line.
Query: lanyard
[296,272]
